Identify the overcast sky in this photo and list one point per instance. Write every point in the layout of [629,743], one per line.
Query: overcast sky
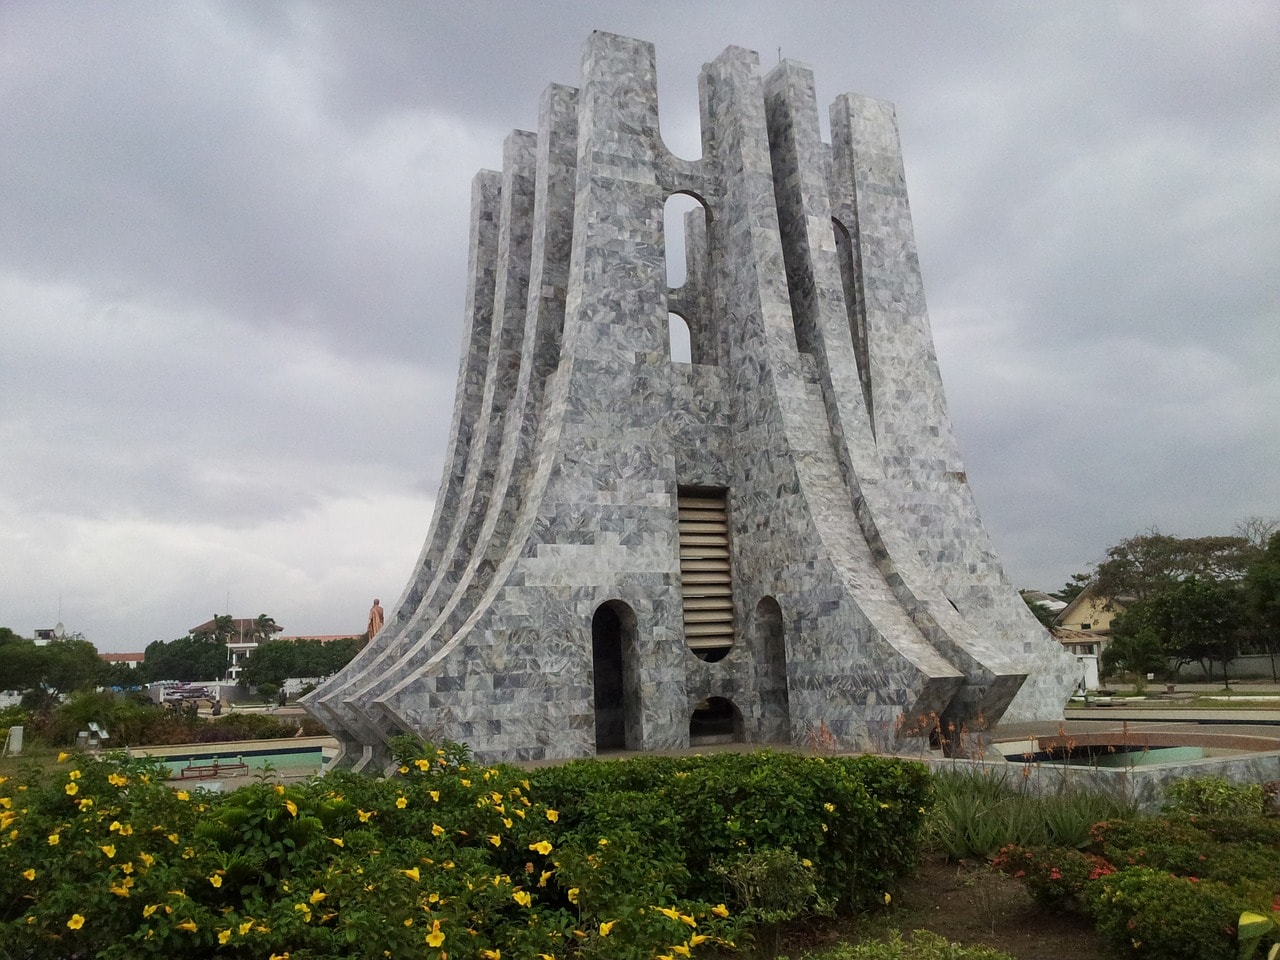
[233,253]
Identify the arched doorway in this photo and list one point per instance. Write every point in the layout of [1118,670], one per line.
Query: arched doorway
[715,720]
[612,643]
[771,672]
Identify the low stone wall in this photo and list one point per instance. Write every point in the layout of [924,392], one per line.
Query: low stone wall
[1250,667]
[1144,785]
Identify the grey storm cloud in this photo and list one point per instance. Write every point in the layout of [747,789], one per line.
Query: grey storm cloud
[233,269]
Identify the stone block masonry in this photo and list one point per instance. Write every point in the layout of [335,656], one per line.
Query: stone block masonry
[775,539]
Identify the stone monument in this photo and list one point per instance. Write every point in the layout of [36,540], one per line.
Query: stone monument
[773,541]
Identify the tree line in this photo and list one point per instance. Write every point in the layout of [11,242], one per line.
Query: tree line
[44,674]
[1204,600]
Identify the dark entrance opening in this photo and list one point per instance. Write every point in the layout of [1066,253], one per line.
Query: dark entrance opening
[607,629]
[715,720]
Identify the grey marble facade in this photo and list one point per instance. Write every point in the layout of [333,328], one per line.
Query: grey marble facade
[546,616]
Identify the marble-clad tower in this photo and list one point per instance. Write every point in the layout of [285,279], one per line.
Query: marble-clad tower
[775,538]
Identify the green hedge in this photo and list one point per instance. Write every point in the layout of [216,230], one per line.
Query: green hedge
[856,820]
[638,859]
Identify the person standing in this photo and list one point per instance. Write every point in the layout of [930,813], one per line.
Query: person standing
[375,619]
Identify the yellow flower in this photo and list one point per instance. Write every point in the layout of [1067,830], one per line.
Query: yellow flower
[224,936]
[606,927]
[182,795]
[522,897]
[216,880]
[85,804]
[413,874]
[888,898]
[117,780]
[76,921]
[542,880]
[573,895]
[604,842]
[884,806]
[408,921]
[491,954]
[806,862]
[506,822]
[63,757]
[172,838]
[402,802]
[149,909]
[435,937]
[280,956]
[829,807]
[338,841]
[681,949]
[74,774]
[364,815]
[318,895]
[188,925]
[303,909]
[53,839]
[436,829]
[543,847]
[72,790]
[435,795]
[495,839]
[146,858]
[553,815]
[291,807]
[245,927]
[119,891]
[29,874]
[465,783]
[109,849]
[422,764]
[720,910]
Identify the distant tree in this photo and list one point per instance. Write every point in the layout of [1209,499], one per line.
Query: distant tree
[1257,530]
[1148,563]
[264,628]
[52,670]
[118,675]
[272,662]
[1073,587]
[1192,621]
[1262,600]
[1138,649]
[186,658]
[224,628]
[279,660]
[1039,610]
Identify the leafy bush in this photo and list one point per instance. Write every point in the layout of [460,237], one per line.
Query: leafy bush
[1229,849]
[923,945]
[1213,796]
[1150,913]
[858,820]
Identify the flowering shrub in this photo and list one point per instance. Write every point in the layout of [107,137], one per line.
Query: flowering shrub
[451,858]
[1052,875]
[1167,887]
[856,820]
[1149,913]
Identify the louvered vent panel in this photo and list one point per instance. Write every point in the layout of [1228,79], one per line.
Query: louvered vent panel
[707,592]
